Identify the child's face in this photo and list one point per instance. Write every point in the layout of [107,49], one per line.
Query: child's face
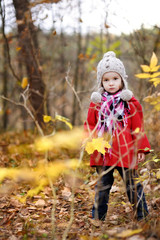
[112,82]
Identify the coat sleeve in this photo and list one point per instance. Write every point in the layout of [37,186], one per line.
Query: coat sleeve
[92,117]
[139,137]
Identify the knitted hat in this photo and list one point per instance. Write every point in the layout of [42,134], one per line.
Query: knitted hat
[110,63]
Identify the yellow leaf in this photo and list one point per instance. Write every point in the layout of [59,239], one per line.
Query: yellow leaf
[128,233]
[154,102]
[147,99]
[107,145]
[156,82]
[65,120]
[46,118]
[143,75]
[158,175]
[137,130]
[153,79]
[153,61]
[24,82]
[90,148]
[98,144]
[154,75]
[155,69]
[39,176]
[70,139]
[44,144]
[145,68]
[18,49]
[157,107]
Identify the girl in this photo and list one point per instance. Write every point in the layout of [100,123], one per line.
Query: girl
[117,116]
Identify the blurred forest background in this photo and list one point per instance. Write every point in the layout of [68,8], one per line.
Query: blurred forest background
[60,65]
[48,58]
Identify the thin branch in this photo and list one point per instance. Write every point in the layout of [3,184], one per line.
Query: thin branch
[73,89]
[71,217]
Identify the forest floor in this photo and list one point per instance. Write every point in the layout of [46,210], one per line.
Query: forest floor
[33,219]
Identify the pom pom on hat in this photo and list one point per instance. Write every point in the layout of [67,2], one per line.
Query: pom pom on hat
[126,95]
[96,97]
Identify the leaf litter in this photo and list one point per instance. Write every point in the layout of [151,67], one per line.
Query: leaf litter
[32,219]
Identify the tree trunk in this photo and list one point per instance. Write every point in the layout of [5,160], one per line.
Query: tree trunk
[5,88]
[5,69]
[62,70]
[30,56]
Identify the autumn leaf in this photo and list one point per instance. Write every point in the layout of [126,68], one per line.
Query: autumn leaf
[44,144]
[157,107]
[65,120]
[128,233]
[145,68]
[155,81]
[155,69]
[154,60]
[106,25]
[154,75]
[98,144]
[24,82]
[68,139]
[137,130]
[154,99]
[61,140]
[143,75]
[158,174]
[18,49]
[147,149]
[47,118]
[81,56]
[147,99]
[54,33]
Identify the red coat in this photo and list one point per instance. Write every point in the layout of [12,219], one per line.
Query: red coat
[126,143]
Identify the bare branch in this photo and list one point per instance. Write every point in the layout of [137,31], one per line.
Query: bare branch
[73,89]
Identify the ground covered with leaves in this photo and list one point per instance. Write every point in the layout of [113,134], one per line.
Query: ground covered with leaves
[64,211]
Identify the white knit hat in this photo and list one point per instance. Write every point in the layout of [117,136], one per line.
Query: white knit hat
[110,63]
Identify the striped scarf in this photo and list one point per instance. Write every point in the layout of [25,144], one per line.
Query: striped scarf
[111,114]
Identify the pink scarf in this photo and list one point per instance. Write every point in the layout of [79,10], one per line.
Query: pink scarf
[111,114]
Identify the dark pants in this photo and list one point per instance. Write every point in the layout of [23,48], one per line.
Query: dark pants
[134,191]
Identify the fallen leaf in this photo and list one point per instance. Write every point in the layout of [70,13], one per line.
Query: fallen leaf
[128,233]
[40,203]
[66,193]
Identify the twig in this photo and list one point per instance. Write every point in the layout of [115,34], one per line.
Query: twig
[71,218]
[73,89]
[27,109]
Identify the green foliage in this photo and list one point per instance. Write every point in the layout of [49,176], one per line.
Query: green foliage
[97,47]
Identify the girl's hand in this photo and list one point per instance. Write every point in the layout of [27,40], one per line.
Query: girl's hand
[141,157]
